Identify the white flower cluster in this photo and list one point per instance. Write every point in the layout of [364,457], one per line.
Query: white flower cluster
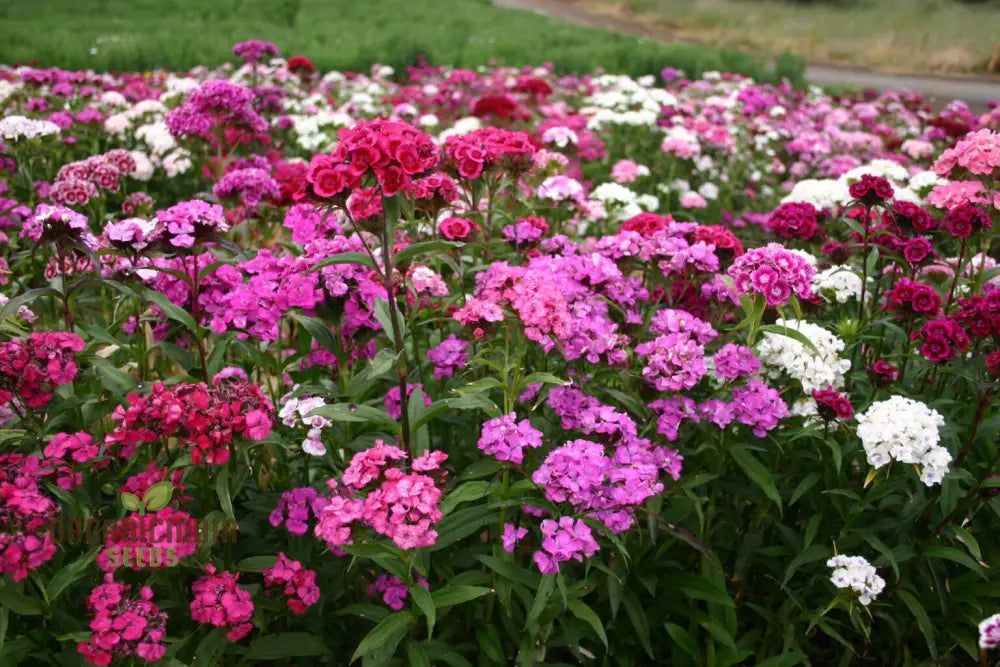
[317,131]
[622,203]
[907,431]
[839,282]
[295,411]
[783,354]
[621,100]
[857,574]
[20,127]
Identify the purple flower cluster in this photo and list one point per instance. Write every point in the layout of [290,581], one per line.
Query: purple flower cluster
[451,354]
[674,362]
[216,103]
[734,361]
[295,508]
[253,50]
[567,539]
[773,271]
[505,438]
[252,185]
[756,405]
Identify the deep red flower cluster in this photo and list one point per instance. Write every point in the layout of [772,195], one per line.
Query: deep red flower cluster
[794,220]
[909,217]
[646,224]
[296,583]
[500,105]
[300,65]
[392,151]
[980,314]
[942,340]
[123,626]
[831,404]
[202,418]
[871,190]
[909,297]
[964,219]
[483,150]
[31,367]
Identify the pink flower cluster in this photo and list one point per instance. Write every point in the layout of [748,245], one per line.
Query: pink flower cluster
[55,223]
[402,506]
[976,153]
[487,149]
[219,601]
[253,50]
[773,271]
[123,626]
[189,221]
[30,368]
[206,420]
[78,182]
[393,151]
[296,583]
[144,542]
[25,513]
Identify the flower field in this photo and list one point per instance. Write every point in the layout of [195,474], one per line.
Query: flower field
[493,367]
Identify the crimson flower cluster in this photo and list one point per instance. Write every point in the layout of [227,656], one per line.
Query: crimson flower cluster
[489,148]
[795,220]
[943,340]
[831,404]
[123,626]
[871,190]
[204,419]
[30,368]
[910,297]
[394,152]
[296,583]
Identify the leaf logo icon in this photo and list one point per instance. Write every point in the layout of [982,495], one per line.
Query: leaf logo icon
[156,498]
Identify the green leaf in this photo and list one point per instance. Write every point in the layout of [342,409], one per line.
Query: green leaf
[453,595]
[756,471]
[383,362]
[286,645]
[547,378]
[158,496]
[422,598]
[417,655]
[23,299]
[115,380]
[345,258]
[420,437]
[19,603]
[384,318]
[171,310]
[130,501]
[208,648]
[464,493]
[541,599]
[790,333]
[684,640]
[424,247]
[356,412]
[637,615]
[789,659]
[223,492]
[320,333]
[470,402]
[480,385]
[966,538]
[510,571]
[923,621]
[389,629]
[588,616]
[256,563]
[699,588]
[217,356]
[807,483]
[956,556]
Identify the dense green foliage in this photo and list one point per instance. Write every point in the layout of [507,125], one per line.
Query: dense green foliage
[335,34]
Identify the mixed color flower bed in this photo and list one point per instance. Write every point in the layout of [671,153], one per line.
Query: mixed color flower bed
[493,367]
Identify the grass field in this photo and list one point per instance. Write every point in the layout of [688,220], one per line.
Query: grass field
[341,34]
[926,36]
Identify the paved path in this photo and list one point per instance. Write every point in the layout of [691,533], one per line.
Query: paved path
[938,90]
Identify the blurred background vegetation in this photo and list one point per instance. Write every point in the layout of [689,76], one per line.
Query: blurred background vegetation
[921,36]
[340,34]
